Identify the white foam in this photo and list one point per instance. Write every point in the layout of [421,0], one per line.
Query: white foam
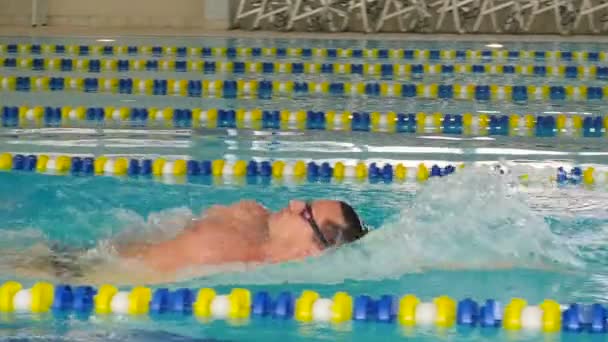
[469,220]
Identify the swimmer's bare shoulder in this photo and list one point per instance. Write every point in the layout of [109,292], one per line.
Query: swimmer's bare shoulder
[209,241]
[246,218]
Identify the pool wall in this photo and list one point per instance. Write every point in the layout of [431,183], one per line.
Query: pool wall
[192,14]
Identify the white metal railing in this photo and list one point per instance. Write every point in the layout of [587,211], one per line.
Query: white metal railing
[409,14]
[490,16]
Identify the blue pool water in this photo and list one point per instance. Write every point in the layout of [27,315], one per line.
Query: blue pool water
[420,237]
[474,234]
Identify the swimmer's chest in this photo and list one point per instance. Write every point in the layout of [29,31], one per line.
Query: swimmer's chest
[227,242]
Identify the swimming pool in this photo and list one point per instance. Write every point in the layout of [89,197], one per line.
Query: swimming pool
[533,233]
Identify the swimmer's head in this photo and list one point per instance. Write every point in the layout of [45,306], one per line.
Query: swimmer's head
[307,228]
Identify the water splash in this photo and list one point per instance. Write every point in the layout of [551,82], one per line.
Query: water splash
[471,220]
[157,226]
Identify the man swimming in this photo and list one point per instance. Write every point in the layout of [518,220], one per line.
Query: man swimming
[248,232]
[241,233]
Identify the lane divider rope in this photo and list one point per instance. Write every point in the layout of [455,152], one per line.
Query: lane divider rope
[240,304]
[298,170]
[323,53]
[267,89]
[466,124]
[387,70]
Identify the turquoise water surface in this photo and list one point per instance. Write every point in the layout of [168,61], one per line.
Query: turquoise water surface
[473,234]
[430,241]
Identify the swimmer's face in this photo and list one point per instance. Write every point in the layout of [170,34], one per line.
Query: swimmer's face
[292,228]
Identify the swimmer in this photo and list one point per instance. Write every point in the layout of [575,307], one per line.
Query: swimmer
[248,232]
[241,233]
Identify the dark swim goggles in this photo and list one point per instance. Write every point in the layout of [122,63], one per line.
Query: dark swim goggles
[307,215]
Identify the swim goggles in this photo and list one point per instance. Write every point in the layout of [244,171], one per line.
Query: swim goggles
[308,216]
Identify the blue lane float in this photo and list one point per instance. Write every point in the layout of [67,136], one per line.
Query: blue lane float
[468,124]
[253,170]
[308,306]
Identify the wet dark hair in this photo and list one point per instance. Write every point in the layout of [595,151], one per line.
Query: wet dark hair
[353,228]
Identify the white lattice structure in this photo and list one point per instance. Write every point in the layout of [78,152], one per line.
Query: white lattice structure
[362,9]
[276,12]
[245,10]
[491,8]
[406,11]
[458,9]
[588,9]
[538,7]
[543,16]
[332,15]
[261,12]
